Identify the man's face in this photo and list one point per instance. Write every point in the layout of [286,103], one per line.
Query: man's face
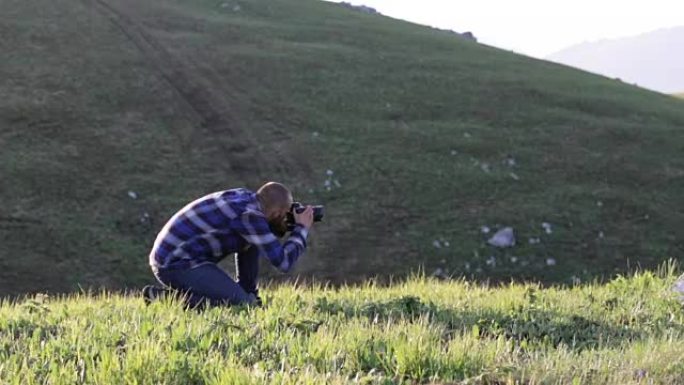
[277,220]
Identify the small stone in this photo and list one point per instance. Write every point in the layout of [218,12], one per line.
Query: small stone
[601,235]
[640,374]
[467,135]
[491,261]
[547,227]
[439,273]
[237,8]
[485,167]
[503,238]
[329,172]
[510,162]
[485,229]
[327,183]
[467,266]
[550,262]
[454,152]
[534,241]
[315,134]
[678,288]
[599,204]
[436,244]
[514,259]
[133,195]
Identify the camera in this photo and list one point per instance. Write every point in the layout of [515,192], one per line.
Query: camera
[299,208]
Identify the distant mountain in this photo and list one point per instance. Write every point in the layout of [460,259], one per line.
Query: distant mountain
[653,60]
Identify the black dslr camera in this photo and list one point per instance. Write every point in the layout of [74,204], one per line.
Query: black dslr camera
[299,208]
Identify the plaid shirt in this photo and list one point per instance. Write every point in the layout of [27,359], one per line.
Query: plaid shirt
[219,224]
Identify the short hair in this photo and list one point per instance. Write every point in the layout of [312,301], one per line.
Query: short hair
[274,195]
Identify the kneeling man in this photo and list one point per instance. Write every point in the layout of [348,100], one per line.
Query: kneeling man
[186,252]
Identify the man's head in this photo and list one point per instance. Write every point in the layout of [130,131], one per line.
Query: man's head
[275,200]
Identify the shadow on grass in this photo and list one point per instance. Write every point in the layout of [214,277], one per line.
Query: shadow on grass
[529,326]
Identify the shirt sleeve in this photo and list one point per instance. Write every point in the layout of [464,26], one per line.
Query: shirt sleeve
[255,230]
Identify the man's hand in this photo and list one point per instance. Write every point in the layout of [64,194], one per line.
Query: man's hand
[305,218]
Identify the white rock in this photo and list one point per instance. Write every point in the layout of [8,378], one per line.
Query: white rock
[503,238]
[454,152]
[439,273]
[467,135]
[436,244]
[514,259]
[534,241]
[550,262]
[678,288]
[599,204]
[485,229]
[601,235]
[133,195]
[315,134]
[547,227]
[485,167]
[236,8]
[446,243]
[329,172]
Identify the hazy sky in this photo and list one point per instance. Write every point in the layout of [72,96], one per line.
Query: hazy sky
[537,27]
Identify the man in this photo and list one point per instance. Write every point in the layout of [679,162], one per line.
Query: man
[186,252]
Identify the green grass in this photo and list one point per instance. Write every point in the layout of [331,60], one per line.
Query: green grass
[94,104]
[628,331]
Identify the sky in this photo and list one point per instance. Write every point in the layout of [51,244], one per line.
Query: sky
[536,27]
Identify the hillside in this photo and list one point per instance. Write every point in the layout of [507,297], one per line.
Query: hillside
[629,331]
[650,60]
[115,113]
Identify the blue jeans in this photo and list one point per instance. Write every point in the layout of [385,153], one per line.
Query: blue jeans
[208,285]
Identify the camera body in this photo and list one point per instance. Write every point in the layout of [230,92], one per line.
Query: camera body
[299,208]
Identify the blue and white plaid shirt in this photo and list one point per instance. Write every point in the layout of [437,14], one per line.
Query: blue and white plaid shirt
[219,224]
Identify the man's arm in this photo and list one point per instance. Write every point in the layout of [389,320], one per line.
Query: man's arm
[255,230]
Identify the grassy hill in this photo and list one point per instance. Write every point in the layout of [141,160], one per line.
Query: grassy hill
[629,331]
[115,113]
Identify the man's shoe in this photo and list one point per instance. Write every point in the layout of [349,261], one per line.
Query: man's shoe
[152,293]
[257,299]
